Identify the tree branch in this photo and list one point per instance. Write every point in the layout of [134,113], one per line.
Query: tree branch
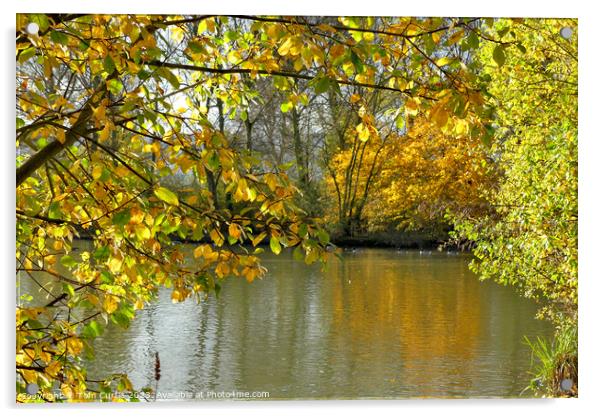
[266,72]
[49,151]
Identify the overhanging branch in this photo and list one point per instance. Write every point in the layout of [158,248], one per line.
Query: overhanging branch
[189,67]
[49,151]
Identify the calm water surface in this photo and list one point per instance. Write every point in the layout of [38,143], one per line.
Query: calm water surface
[378,324]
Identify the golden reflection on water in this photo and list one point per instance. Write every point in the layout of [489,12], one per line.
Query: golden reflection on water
[409,308]
[379,324]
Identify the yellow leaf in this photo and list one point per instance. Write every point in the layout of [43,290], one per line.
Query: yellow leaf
[234,230]
[440,116]
[60,135]
[142,232]
[167,195]
[100,114]
[337,50]
[216,237]
[97,172]
[110,303]
[273,31]
[455,37]
[45,356]
[115,265]
[444,61]
[250,273]
[29,375]
[92,299]
[199,251]
[258,238]
[222,269]
[74,345]
[136,215]
[67,391]
[104,133]
[286,46]
[178,295]
[210,25]
[363,132]
[368,36]
[53,368]
[412,106]
[271,181]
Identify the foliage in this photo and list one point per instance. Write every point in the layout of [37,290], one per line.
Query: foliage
[555,362]
[427,173]
[529,237]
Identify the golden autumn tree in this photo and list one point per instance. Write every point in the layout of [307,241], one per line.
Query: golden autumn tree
[427,173]
[113,110]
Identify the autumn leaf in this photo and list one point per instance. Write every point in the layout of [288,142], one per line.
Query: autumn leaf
[275,245]
[110,303]
[234,230]
[411,106]
[167,196]
[53,368]
[74,345]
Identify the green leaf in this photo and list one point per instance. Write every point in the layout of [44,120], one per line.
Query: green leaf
[115,86]
[502,32]
[488,135]
[322,84]
[54,210]
[499,56]
[213,161]
[68,289]
[196,46]
[41,20]
[323,237]
[68,261]
[275,245]
[357,63]
[298,254]
[169,76]
[59,37]
[121,218]
[92,330]
[472,41]
[25,55]
[109,64]
[231,35]
[521,48]
[285,107]
[303,230]
[124,315]
[167,195]
[400,121]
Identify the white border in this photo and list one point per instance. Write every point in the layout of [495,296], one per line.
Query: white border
[589,202]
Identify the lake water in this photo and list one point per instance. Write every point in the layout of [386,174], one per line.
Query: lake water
[378,324]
